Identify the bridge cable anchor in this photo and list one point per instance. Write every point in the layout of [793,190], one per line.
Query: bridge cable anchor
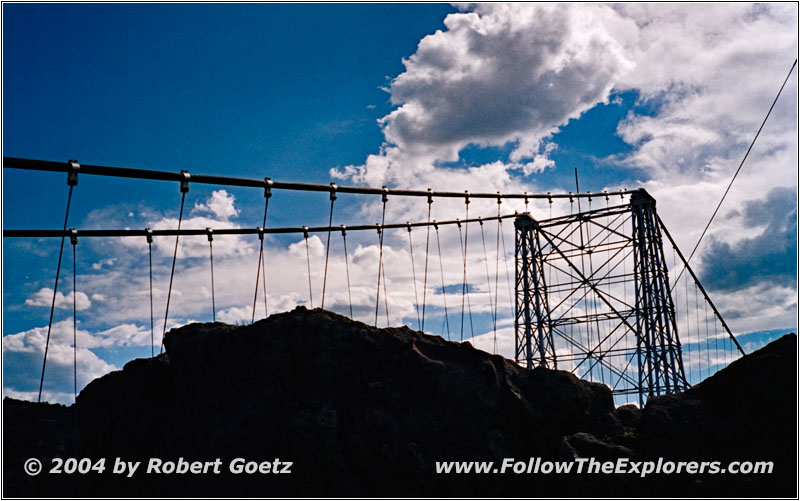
[185,177]
[72,172]
[267,187]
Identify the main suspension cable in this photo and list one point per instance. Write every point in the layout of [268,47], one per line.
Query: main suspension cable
[753,142]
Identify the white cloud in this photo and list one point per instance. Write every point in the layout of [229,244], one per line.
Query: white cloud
[44,297]
[220,205]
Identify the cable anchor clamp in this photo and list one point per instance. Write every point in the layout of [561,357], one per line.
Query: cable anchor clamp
[267,187]
[149,234]
[185,181]
[209,233]
[72,172]
[333,191]
[73,236]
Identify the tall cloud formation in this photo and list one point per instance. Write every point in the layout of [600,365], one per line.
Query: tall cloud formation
[506,73]
[512,75]
[515,73]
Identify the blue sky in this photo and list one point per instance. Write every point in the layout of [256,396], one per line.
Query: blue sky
[509,98]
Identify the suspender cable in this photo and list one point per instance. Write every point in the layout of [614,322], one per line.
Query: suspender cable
[464,260]
[74,241]
[308,267]
[384,199]
[267,196]
[497,269]
[150,255]
[464,292]
[347,268]
[72,180]
[441,270]
[489,286]
[505,260]
[385,294]
[414,278]
[211,260]
[258,273]
[184,190]
[427,244]
[328,245]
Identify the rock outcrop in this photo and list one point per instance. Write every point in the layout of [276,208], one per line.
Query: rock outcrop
[361,411]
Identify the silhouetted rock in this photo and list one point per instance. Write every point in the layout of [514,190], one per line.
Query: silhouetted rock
[361,411]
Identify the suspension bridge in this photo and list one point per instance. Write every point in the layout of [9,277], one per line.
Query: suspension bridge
[604,292]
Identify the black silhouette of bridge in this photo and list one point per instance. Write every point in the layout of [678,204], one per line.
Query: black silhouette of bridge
[597,291]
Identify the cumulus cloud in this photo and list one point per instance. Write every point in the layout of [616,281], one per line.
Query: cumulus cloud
[220,205]
[22,358]
[514,74]
[44,297]
[506,72]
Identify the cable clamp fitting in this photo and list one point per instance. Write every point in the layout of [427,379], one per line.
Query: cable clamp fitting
[333,191]
[344,230]
[267,187]
[305,232]
[570,197]
[458,222]
[549,198]
[466,197]
[385,195]
[480,221]
[149,234]
[72,172]
[408,225]
[435,225]
[430,196]
[209,233]
[499,199]
[185,181]
[260,231]
[378,227]
[73,236]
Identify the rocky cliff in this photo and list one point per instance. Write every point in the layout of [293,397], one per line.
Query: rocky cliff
[361,411]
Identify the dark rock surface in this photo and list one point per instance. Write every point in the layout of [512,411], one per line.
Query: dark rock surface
[367,412]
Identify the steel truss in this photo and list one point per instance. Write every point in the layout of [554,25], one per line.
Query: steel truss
[593,297]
